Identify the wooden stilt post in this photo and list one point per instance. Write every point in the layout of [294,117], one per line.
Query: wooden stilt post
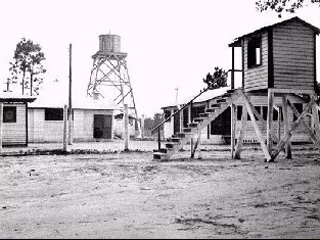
[126,128]
[237,154]
[233,128]
[257,130]
[279,123]
[65,128]
[199,145]
[294,126]
[315,116]
[313,136]
[286,126]
[142,126]
[1,125]
[270,120]
[181,121]
[159,138]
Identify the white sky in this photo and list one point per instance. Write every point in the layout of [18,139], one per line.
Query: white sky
[170,43]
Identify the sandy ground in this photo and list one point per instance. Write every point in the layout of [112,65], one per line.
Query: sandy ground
[127,195]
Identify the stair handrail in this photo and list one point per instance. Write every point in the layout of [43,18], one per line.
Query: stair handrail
[187,104]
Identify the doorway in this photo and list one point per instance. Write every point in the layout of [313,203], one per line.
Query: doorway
[102,126]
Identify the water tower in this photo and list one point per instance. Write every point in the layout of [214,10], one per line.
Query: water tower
[109,75]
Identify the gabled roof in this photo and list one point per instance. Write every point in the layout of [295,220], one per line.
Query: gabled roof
[237,41]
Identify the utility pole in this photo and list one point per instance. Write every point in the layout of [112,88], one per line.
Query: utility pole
[70,120]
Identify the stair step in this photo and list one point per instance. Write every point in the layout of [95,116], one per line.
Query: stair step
[171,144]
[210,110]
[187,130]
[216,105]
[193,125]
[175,139]
[204,114]
[160,156]
[181,135]
[198,119]
[231,90]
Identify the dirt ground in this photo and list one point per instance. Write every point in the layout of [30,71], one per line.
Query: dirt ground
[127,195]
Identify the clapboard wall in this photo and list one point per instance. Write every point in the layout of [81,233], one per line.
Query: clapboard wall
[15,133]
[293,56]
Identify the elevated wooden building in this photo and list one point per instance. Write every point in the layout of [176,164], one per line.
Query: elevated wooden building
[278,77]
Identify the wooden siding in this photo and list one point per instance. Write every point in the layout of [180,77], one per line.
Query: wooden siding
[52,131]
[293,51]
[15,133]
[256,78]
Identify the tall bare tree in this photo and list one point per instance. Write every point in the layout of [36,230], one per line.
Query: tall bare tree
[28,58]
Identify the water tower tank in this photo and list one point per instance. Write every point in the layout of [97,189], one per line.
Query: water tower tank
[110,43]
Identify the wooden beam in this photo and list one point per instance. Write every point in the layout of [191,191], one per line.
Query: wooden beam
[232,71]
[294,126]
[296,91]
[237,154]
[257,130]
[260,118]
[286,126]
[233,128]
[270,120]
[314,137]
[315,116]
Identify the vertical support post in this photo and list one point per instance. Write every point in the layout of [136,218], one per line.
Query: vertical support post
[65,129]
[191,147]
[279,123]
[181,120]
[233,128]
[270,120]
[70,120]
[159,138]
[286,126]
[209,125]
[1,125]
[315,116]
[142,126]
[237,154]
[232,71]
[199,145]
[126,128]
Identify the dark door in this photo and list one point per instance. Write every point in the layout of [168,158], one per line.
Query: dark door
[102,126]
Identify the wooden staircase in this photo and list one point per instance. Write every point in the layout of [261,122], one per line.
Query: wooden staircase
[179,140]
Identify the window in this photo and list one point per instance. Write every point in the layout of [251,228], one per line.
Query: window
[9,114]
[53,114]
[254,52]
[299,107]
[167,114]
[239,112]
